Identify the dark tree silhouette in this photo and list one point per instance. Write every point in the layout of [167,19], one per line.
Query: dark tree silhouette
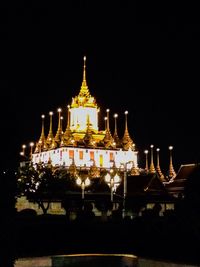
[7,215]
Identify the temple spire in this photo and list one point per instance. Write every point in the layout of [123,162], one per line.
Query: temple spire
[50,136]
[108,139]
[158,169]
[88,138]
[127,142]
[84,88]
[67,137]
[58,135]
[146,160]
[172,172]
[115,136]
[41,145]
[152,168]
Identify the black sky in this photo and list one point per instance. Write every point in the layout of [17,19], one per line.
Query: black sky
[140,58]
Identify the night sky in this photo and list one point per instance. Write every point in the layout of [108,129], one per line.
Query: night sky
[144,59]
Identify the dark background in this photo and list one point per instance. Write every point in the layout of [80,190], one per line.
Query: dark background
[142,58]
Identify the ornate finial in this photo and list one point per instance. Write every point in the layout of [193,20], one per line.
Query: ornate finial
[152,168]
[67,138]
[115,136]
[84,88]
[172,172]
[146,159]
[108,140]
[50,136]
[59,130]
[41,145]
[108,126]
[158,169]
[72,169]
[94,171]
[105,119]
[88,138]
[134,170]
[127,142]
[31,149]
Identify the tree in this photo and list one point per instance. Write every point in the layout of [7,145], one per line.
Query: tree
[43,183]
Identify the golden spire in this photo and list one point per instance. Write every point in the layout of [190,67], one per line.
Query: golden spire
[84,88]
[108,140]
[146,159]
[58,135]
[31,149]
[134,170]
[94,171]
[88,138]
[41,145]
[172,172]
[67,137]
[152,168]
[50,134]
[158,169]
[115,136]
[127,142]
[72,170]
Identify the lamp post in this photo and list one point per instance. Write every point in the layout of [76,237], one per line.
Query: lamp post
[113,182]
[146,159]
[83,183]
[125,188]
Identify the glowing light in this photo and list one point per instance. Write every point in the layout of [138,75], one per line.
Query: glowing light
[170,147]
[151,146]
[107,178]
[116,178]
[146,151]
[31,144]
[84,58]
[87,181]
[126,112]
[23,146]
[158,149]
[115,115]
[59,109]
[78,181]
[51,113]
[43,116]
[61,117]
[107,110]
[21,153]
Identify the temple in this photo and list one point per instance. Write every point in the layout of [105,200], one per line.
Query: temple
[82,143]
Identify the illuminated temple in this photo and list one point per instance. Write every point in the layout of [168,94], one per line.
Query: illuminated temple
[82,144]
